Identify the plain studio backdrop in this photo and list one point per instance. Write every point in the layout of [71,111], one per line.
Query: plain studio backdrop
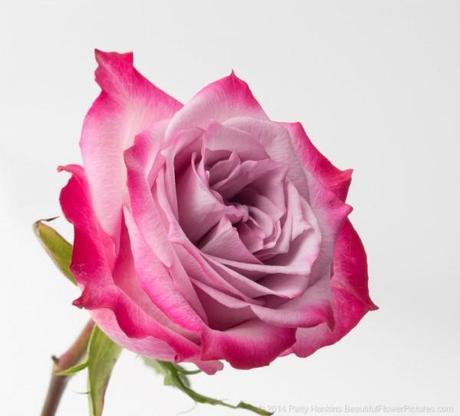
[376,85]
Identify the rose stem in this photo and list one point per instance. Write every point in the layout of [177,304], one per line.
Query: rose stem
[70,358]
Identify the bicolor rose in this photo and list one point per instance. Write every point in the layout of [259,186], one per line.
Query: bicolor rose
[206,231]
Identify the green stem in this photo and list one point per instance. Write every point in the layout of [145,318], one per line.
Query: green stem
[71,357]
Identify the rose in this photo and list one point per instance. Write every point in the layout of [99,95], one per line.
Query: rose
[206,231]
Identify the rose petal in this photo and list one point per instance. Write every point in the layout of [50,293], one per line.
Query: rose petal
[148,346]
[92,268]
[299,221]
[308,310]
[277,143]
[177,156]
[220,100]
[248,345]
[138,159]
[350,265]
[199,208]
[151,247]
[221,169]
[350,297]
[221,137]
[162,286]
[132,281]
[284,286]
[221,316]
[334,179]
[127,105]
[190,256]
[243,175]
[223,240]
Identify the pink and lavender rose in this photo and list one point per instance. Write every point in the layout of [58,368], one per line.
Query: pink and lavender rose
[206,231]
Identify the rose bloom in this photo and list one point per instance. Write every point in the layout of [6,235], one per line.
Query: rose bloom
[206,231]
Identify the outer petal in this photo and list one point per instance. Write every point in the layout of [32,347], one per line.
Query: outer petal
[350,265]
[92,264]
[226,98]
[127,105]
[350,295]
[335,179]
[149,346]
[248,345]
[93,255]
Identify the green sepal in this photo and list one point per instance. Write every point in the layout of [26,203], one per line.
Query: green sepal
[102,356]
[176,376]
[73,370]
[57,247]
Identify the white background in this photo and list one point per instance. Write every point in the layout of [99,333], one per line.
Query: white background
[376,84]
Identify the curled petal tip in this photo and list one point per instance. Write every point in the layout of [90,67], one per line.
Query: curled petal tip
[373,306]
[104,57]
[78,302]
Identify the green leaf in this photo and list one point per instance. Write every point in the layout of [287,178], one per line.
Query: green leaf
[102,356]
[59,249]
[175,375]
[164,369]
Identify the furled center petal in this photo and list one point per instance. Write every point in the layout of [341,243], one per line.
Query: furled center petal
[238,205]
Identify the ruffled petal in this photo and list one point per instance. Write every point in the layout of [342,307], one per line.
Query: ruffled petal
[223,240]
[226,98]
[284,286]
[127,105]
[92,265]
[308,310]
[221,137]
[199,208]
[333,178]
[248,345]
[274,138]
[350,296]
[160,271]
[148,346]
